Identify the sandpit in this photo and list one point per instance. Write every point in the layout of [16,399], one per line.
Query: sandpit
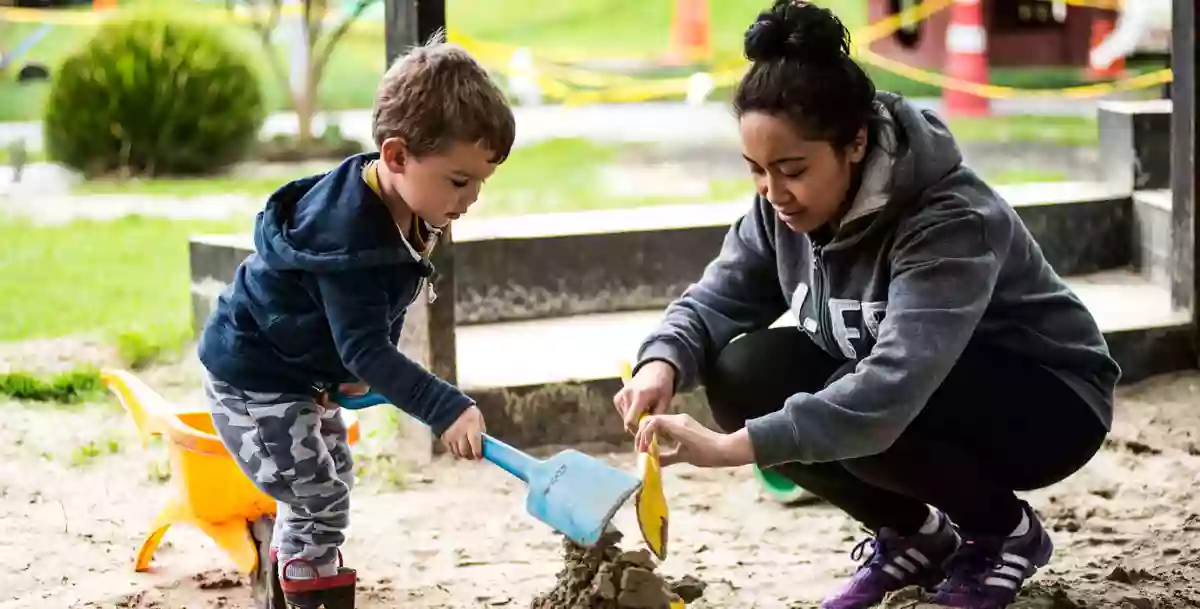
[605,577]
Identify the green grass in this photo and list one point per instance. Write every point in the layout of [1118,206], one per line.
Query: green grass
[107,278]
[580,28]
[186,187]
[1025,176]
[562,174]
[68,387]
[1062,130]
[31,156]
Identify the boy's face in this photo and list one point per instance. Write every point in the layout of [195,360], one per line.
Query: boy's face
[438,187]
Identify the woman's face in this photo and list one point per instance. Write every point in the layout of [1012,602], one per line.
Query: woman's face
[806,181]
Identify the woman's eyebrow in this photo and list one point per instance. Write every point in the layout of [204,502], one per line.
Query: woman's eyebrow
[786,159]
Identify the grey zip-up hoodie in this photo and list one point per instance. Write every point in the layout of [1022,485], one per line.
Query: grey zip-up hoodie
[926,258]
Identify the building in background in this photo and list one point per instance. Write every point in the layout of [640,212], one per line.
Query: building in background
[1020,33]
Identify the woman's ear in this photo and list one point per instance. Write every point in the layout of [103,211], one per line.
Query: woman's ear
[394,154]
[858,148]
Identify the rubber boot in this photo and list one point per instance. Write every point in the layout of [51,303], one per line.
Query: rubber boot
[331,592]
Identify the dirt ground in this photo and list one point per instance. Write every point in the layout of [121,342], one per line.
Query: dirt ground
[77,493]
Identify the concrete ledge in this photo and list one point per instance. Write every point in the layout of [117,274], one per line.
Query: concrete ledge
[569,413]
[581,412]
[1135,143]
[557,378]
[621,260]
[1151,235]
[578,263]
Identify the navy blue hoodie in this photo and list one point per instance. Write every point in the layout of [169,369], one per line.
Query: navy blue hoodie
[323,298]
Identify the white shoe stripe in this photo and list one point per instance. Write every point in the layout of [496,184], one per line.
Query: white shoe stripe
[1000,582]
[893,571]
[916,554]
[1012,572]
[906,563]
[1020,561]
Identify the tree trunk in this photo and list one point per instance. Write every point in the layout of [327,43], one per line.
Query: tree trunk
[306,106]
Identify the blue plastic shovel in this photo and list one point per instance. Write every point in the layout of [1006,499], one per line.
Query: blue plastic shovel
[574,493]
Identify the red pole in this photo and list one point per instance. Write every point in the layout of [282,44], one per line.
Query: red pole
[966,59]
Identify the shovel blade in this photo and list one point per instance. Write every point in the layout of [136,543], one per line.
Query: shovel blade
[577,495]
[652,504]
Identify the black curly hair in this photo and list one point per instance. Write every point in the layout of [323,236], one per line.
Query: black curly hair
[802,70]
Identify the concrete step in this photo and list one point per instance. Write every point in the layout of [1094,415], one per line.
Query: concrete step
[551,381]
[600,261]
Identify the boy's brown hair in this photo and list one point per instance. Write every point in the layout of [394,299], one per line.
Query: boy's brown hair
[437,95]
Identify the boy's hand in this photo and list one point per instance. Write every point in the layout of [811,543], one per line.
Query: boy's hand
[348,389]
[354,389]
[465,437]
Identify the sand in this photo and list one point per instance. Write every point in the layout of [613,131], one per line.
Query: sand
[456,535]
[605,577]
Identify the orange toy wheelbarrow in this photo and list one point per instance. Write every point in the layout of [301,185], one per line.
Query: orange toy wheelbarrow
[211,491]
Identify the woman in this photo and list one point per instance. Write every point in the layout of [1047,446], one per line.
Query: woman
[940,364]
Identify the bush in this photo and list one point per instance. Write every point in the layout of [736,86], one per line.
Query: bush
[153,96]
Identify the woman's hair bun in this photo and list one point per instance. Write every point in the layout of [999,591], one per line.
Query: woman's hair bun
[797,30]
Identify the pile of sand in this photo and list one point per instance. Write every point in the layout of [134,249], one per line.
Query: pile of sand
[604,577]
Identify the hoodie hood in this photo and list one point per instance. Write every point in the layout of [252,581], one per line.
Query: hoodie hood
[914,151]
[331,222]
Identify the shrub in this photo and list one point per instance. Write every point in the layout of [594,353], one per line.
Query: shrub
[149,95]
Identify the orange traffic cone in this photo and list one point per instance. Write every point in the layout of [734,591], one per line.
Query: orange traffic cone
[966,59]
[1102,27]
[690,40]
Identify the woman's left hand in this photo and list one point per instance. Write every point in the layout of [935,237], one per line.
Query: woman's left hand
[693,442]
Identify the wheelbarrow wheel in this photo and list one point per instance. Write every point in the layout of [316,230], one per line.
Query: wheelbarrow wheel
[264,581]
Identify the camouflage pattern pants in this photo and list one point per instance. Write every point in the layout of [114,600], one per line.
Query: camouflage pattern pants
[296,452]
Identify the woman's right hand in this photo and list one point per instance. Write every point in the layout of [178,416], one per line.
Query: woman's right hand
[648,392]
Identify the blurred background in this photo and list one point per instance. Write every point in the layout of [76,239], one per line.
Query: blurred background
[127,126]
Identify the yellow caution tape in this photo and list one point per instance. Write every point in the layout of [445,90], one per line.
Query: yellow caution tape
[560,80]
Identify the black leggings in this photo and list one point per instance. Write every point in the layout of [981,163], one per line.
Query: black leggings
[999,423]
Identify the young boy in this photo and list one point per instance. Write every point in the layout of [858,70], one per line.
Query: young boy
[319,306]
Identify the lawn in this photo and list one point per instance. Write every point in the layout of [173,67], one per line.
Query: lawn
[599,29]
[559,174]
[581,27]
[105,278]
[127,280]
[567,173]
[1060,130]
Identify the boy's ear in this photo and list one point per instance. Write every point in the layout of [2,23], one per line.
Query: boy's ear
[394,154]
[858,148]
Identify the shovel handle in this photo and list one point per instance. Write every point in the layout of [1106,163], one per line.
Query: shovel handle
[508,458]
[357,402]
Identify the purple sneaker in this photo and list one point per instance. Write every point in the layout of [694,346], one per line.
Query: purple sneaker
[987,572]
[895,562]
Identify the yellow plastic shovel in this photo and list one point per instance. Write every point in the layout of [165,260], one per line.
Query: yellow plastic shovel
[650,501]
